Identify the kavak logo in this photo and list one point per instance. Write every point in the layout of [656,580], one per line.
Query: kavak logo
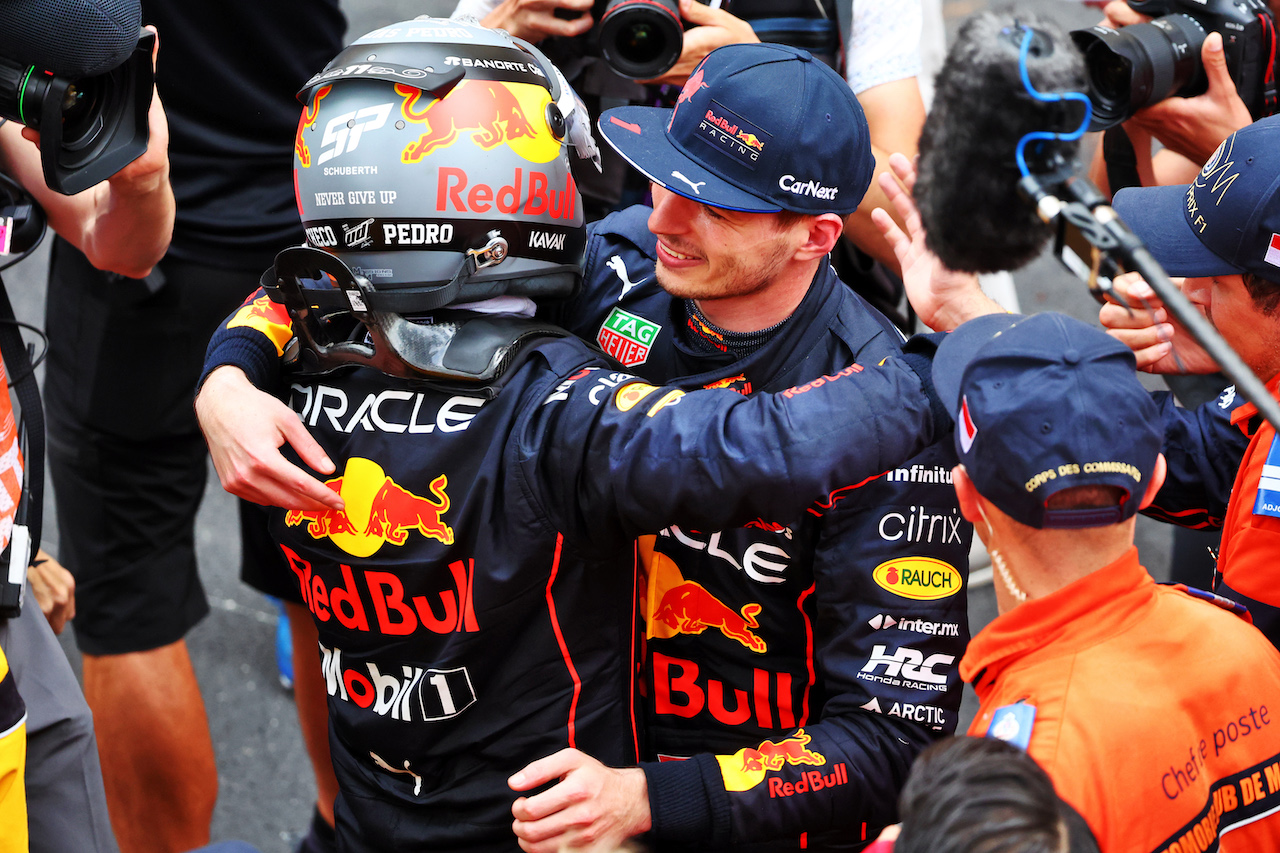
[378,510]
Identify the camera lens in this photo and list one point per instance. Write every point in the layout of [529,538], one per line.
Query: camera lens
[82,112]
[641,38]
[1140,65]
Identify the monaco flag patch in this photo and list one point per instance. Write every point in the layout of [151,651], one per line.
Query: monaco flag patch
[1273,251]
[968,431]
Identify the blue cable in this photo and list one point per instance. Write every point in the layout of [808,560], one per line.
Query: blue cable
[1064,96]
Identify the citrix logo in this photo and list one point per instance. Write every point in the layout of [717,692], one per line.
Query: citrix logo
[343,132]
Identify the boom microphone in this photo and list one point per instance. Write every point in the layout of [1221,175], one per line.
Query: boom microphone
[967,190]
[71,38]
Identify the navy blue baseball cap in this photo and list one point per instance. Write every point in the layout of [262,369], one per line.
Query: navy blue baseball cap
[1227,221]
[1046,403]
[758,128]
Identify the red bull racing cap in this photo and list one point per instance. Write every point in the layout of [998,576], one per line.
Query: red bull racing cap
[1047,403]
[758,128]
[1227,221]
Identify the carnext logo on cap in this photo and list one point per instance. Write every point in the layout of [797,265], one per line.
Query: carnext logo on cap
[811,188]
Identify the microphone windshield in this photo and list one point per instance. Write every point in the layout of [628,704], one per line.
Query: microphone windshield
[967,190]
[71,38]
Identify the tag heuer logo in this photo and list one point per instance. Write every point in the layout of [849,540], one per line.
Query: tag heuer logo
[627,337]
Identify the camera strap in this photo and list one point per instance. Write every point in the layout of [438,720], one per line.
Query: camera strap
[25,535]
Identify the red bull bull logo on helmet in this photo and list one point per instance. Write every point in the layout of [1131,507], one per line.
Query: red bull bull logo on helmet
[487,112]
[378,511]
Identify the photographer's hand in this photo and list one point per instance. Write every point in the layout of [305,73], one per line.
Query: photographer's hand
[1159,342]
[1118,14]
[1195,127]
[123,225]
[245,428]
[712,28]
[534,20]
[942,298]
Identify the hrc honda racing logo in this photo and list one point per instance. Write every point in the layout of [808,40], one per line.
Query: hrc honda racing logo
[907,668]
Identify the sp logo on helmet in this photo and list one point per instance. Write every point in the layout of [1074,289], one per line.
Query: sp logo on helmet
[343,131]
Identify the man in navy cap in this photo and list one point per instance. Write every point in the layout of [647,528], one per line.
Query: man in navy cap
[1223,233]
[798,668]
[789,720]
[1148,729]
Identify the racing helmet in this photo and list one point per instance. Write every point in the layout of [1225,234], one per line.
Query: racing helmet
[431,168]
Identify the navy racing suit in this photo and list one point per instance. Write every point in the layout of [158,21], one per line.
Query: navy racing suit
[474,599]
[799,666]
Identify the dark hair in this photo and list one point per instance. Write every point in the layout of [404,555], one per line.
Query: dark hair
[982,795]
[1086,497]
[787,218]
[1264,293]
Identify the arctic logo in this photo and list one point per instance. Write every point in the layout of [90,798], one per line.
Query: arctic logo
[620,269]
[788,183]
[692,185]
[343,132]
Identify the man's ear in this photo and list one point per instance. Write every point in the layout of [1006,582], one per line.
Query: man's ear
[823,232]
[966,493]
[1157,480]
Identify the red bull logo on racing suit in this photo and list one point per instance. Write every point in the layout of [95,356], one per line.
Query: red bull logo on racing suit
[747,767]
[378,510]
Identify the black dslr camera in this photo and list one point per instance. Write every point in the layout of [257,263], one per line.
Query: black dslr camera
[1142,64]
[90,127]
[641,39]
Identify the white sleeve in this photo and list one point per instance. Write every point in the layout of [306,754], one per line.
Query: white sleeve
[885,43]
[475,8]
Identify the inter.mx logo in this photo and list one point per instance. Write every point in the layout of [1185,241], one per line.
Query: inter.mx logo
[906,665]
[343,132]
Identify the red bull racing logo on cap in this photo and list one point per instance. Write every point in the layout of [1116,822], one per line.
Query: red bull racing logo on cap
[378,511]
[731,134]
[488,112]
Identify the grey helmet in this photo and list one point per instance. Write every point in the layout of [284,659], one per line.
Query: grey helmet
[432,163]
